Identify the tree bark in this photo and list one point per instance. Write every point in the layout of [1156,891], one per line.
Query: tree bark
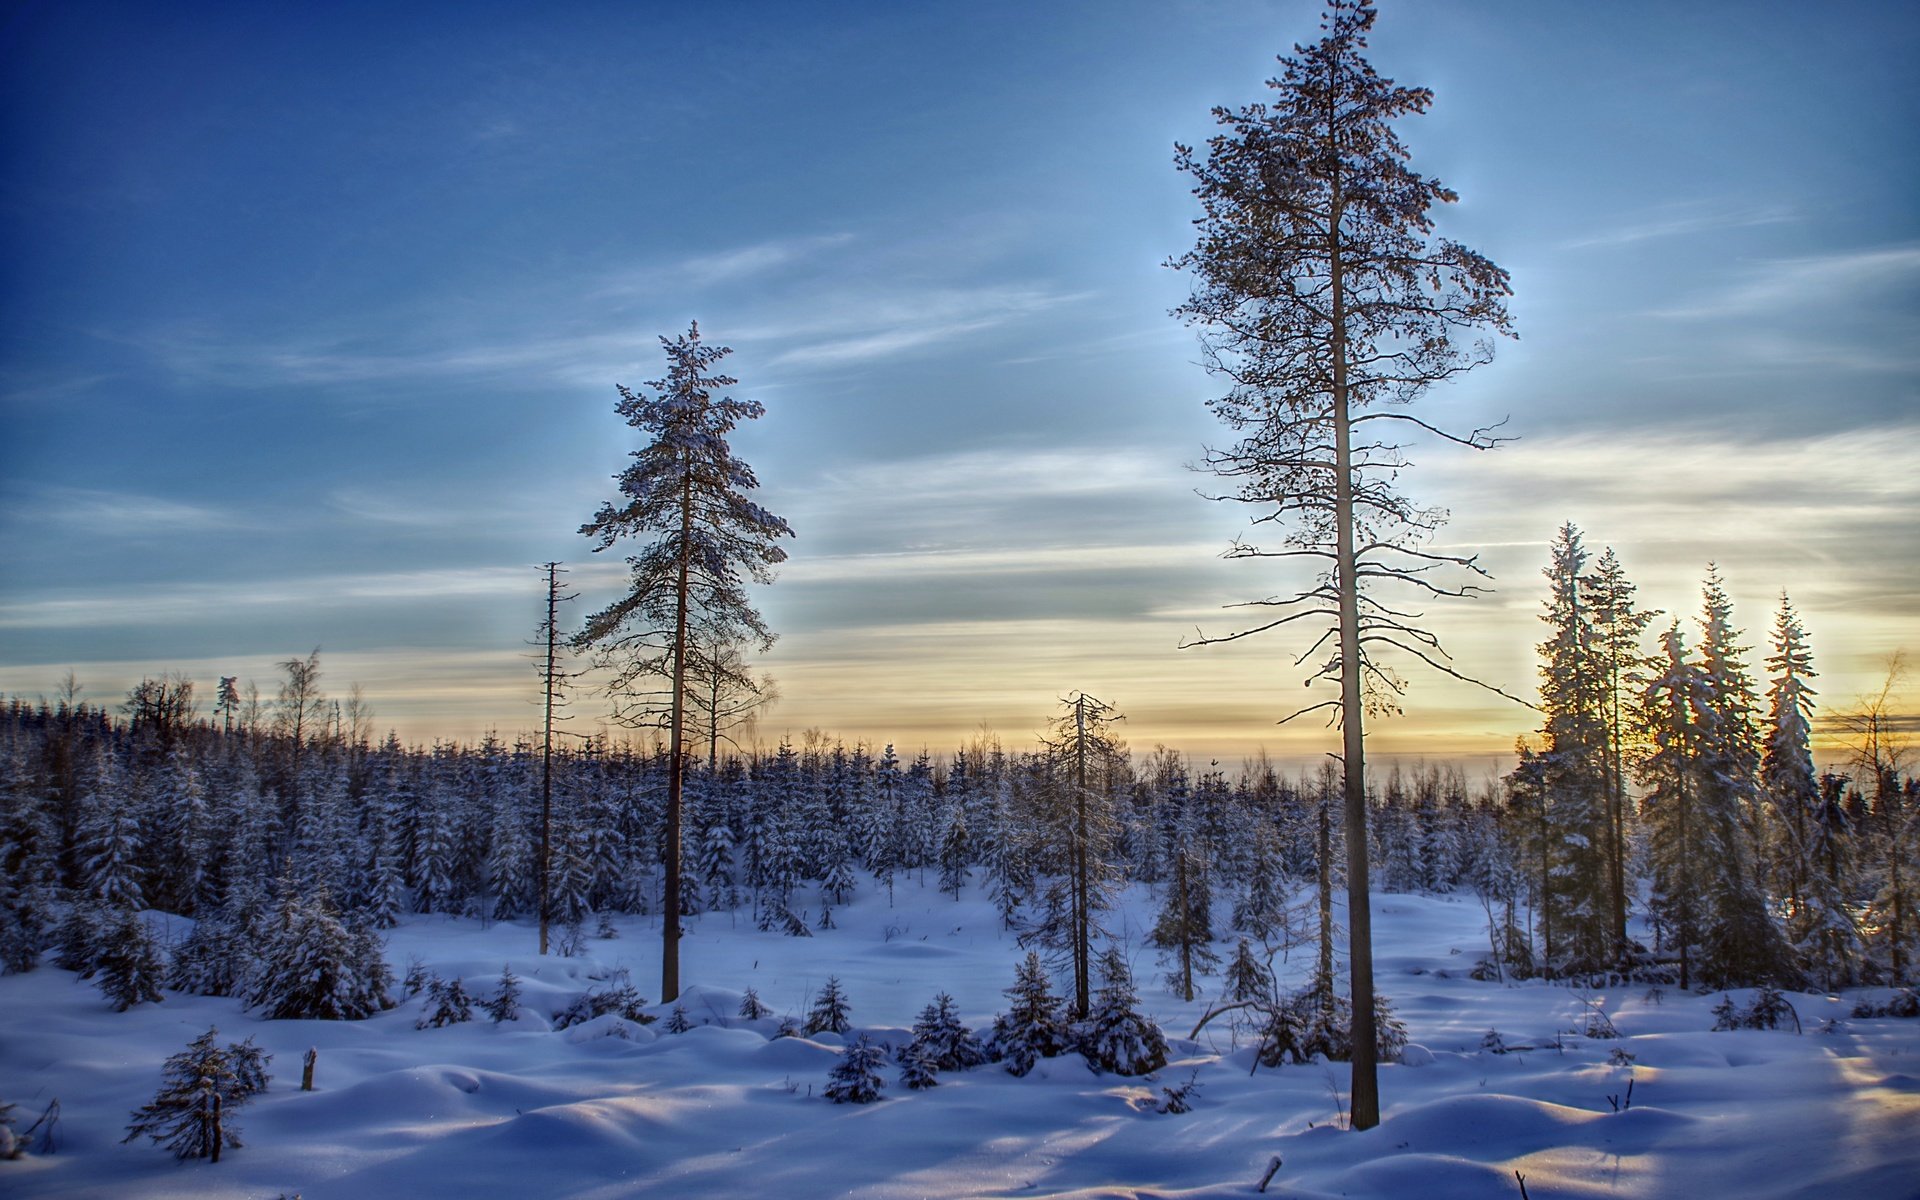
[1365,1085]
[676,762]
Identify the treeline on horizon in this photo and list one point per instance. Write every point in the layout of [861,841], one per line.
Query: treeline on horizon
[1657,787]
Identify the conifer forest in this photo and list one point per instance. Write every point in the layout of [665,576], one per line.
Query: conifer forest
[668,935]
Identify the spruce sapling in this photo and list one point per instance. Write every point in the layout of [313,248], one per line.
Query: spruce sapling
[200,1087]
[856,1078]
[830,1013]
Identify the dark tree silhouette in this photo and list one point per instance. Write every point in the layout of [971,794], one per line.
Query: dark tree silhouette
[686,491]
[1327,306]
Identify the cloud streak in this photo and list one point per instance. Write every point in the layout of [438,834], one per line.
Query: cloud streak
[1810,283]
[1678,221]
[96,509]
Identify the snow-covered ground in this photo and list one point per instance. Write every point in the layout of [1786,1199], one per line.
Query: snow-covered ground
[612,1109]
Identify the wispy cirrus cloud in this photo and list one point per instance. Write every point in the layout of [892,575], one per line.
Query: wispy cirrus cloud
[190,603]
[862,325]
[1013,475]
[98,509]
[1680,221]
[1807,283]
[713,268]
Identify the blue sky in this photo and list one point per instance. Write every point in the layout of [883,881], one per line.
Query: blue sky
[311,318]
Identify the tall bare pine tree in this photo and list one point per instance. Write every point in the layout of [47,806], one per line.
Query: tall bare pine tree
[1327,304]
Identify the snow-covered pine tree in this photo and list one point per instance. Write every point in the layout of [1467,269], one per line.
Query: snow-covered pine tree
[1576,911]
[447,1004]
[80,936]
[192,1113]
[511,859]
[1743,945]
[1672,714]
[916,1068]
[956,850]
[1810,855]
[942,1040]
[1246,978]
[1622,665]
[1262,907]
[677,1021]
[689,493]
[21,929]
[131,967]
[1184,928]
[1033,1027]
[313,966]
[111,845]
[750,1006]
[175,819]
[831,1012]
[504,1004]
[715,864]
[1116,1038]
[856,1078]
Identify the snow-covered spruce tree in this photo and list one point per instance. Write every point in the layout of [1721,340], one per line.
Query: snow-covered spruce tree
[677,1021]
[1247,978]
[856,1078]
[1326,300]
[1184,929]
[1033,1027]
[1812,842]
[1671,716]
[1116,1038]
[1742,945]
[314,967]
[1622,665]
[79,939]
[192,1114]
[110,840]
[688,494]
[917,1071]
[956,849]
[504,1004]
[1262,907]
[750,1006]
[830,1012]
[213,959]
[942,1040]
[130,963]
[20,935]
[447,1004]
[1576,908]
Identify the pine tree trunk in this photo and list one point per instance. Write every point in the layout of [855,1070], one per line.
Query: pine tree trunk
[1081,885]
[1365,1085]
[1324,979]
[676,764]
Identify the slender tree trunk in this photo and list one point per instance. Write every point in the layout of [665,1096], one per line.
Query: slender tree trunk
[1684,931]
[1324,878]
[1082,898]
[1365,1081]
[676,762]
[546,764]
[1617,818]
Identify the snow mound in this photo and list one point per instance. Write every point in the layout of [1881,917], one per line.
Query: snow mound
[1509,1124]
[1428,1176]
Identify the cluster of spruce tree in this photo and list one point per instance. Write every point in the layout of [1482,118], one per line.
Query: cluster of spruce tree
[1756,869]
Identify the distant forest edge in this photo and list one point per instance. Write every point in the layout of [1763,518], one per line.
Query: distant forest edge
[1660,787]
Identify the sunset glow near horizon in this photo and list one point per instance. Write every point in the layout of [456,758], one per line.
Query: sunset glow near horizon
[312,323]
